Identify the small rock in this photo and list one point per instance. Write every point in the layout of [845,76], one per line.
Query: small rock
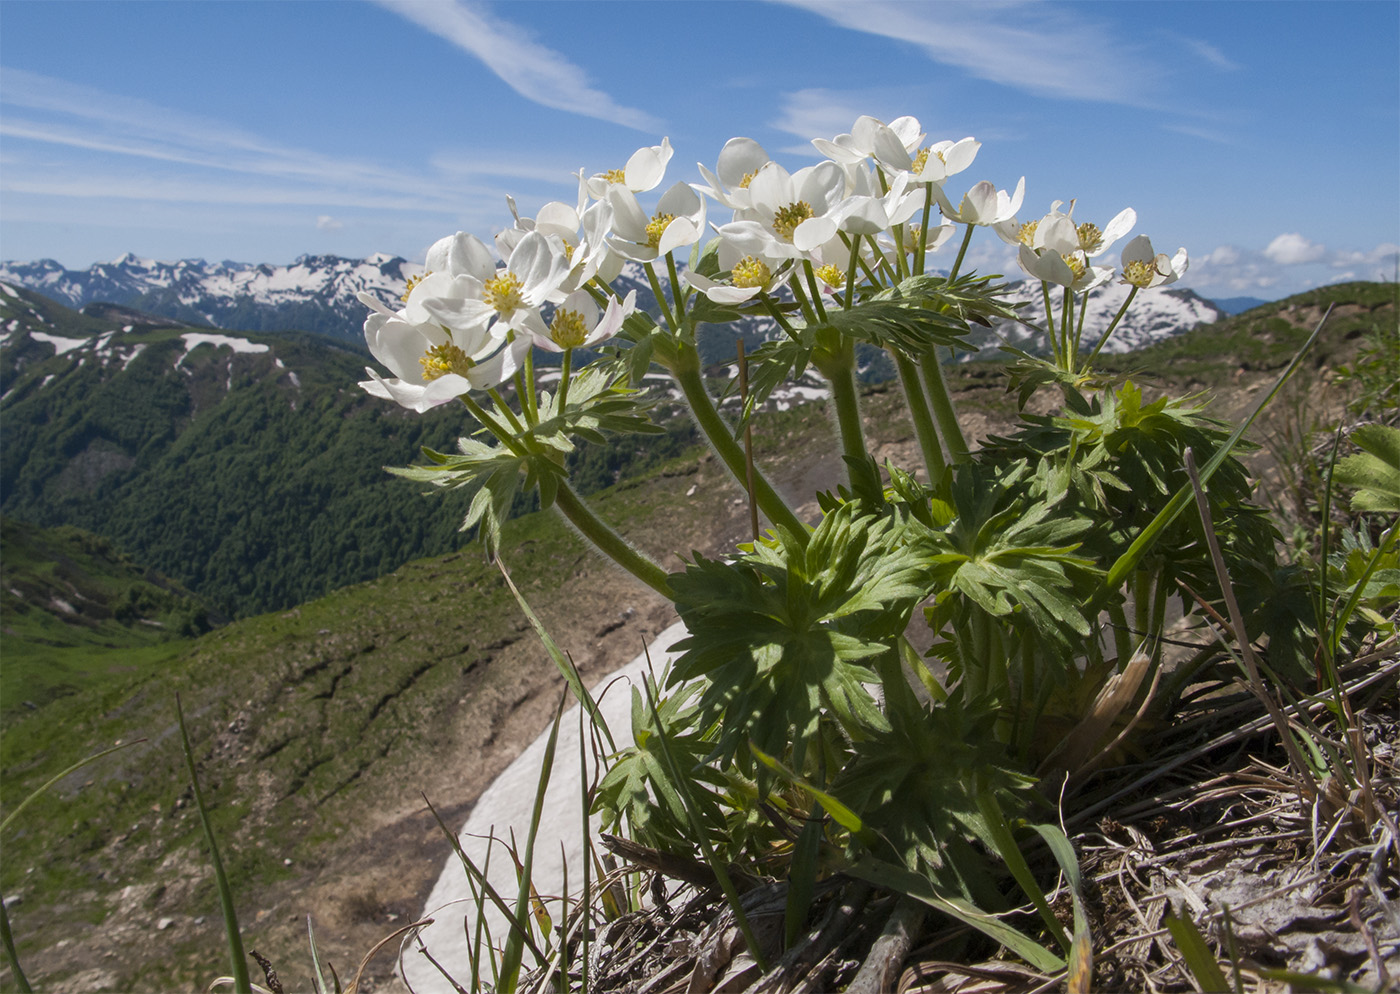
[164,924]
[287,861]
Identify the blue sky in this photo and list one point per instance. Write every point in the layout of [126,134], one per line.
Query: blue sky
[1264,137]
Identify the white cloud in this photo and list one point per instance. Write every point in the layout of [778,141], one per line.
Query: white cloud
[1030,46]
[527,67]
[1293,249]
[325,222]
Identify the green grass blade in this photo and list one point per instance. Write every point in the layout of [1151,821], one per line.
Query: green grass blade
[479,875]
[5,934]
[55,779]
[919,887]
[1005,843]
[726,884]
[802,877]
[21,981]
[321,986]
[1193,948]
[514,950]
[561,661]
[1120,571]
[241,982]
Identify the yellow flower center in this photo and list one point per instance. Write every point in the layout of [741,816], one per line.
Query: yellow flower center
[831,275]
[1026,234]
[748,178]
[413,281]
[921,159]
[503,292]
[750,271]
[568,329]
[914,233]
[656,226]
[1075,262]
[615,176]
[443,359]
[1090,237]
[1140,272]
[786,219]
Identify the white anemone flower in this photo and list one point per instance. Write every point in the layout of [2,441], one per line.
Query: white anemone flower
[870,215]
[984,204]
[749,274]
[431,363]
[509,300]
[577,323]
[1059,258]
[644,171]
[1143,269]
[872,137]
[791,212]
[739,162]
[679,220]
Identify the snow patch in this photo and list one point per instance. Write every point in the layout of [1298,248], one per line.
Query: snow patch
[59,343]
[195,339]
[9,290]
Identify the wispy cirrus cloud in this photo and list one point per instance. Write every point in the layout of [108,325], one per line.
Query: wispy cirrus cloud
[1045,50]
[533,70]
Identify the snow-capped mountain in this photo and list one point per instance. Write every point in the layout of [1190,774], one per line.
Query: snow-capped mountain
[318,293]
[1154,315]
[315,293]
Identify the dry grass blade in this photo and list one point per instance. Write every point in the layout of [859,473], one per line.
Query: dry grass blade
[359,974]
[1251,662]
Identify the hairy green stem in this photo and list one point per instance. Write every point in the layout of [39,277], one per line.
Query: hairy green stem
[921,415]
[686,373]
[957,264]
[943,410]
[1098,346]
[921,250]
[671,323]
[565,369]
[839,369]
[609,542]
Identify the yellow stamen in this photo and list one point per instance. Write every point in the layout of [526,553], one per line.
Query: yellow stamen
[413,281]
[1090,237]
[656,226]
[443,359]
[615,176]
[568,329]
[831,275]
[786,219]
[1140,272]
[1026,235]
[914,233]
[748,178]
[503,292]
[1075,262]
[750,271]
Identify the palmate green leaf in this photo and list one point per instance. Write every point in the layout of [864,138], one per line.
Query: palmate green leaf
[785,633]
[1375,471]
[1007,555]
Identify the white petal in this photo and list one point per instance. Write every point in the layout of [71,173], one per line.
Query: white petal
[812,233]
[647,166]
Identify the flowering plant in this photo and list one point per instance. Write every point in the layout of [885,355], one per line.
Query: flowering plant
[791,706]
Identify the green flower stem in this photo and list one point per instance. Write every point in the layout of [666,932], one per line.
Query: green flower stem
[565,370]
[772,304]
[505,435]
[957,263]
[504,408]
[817,304]
[529,399]
[609,542]
[921,251]
[679,292]
[839,367]
[919,413]
[942,405]
[671,322]
[1109,330]
[1079,322]
[1122,638]
[1050,321]
[1066,322]
[686,373]
[851,273]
